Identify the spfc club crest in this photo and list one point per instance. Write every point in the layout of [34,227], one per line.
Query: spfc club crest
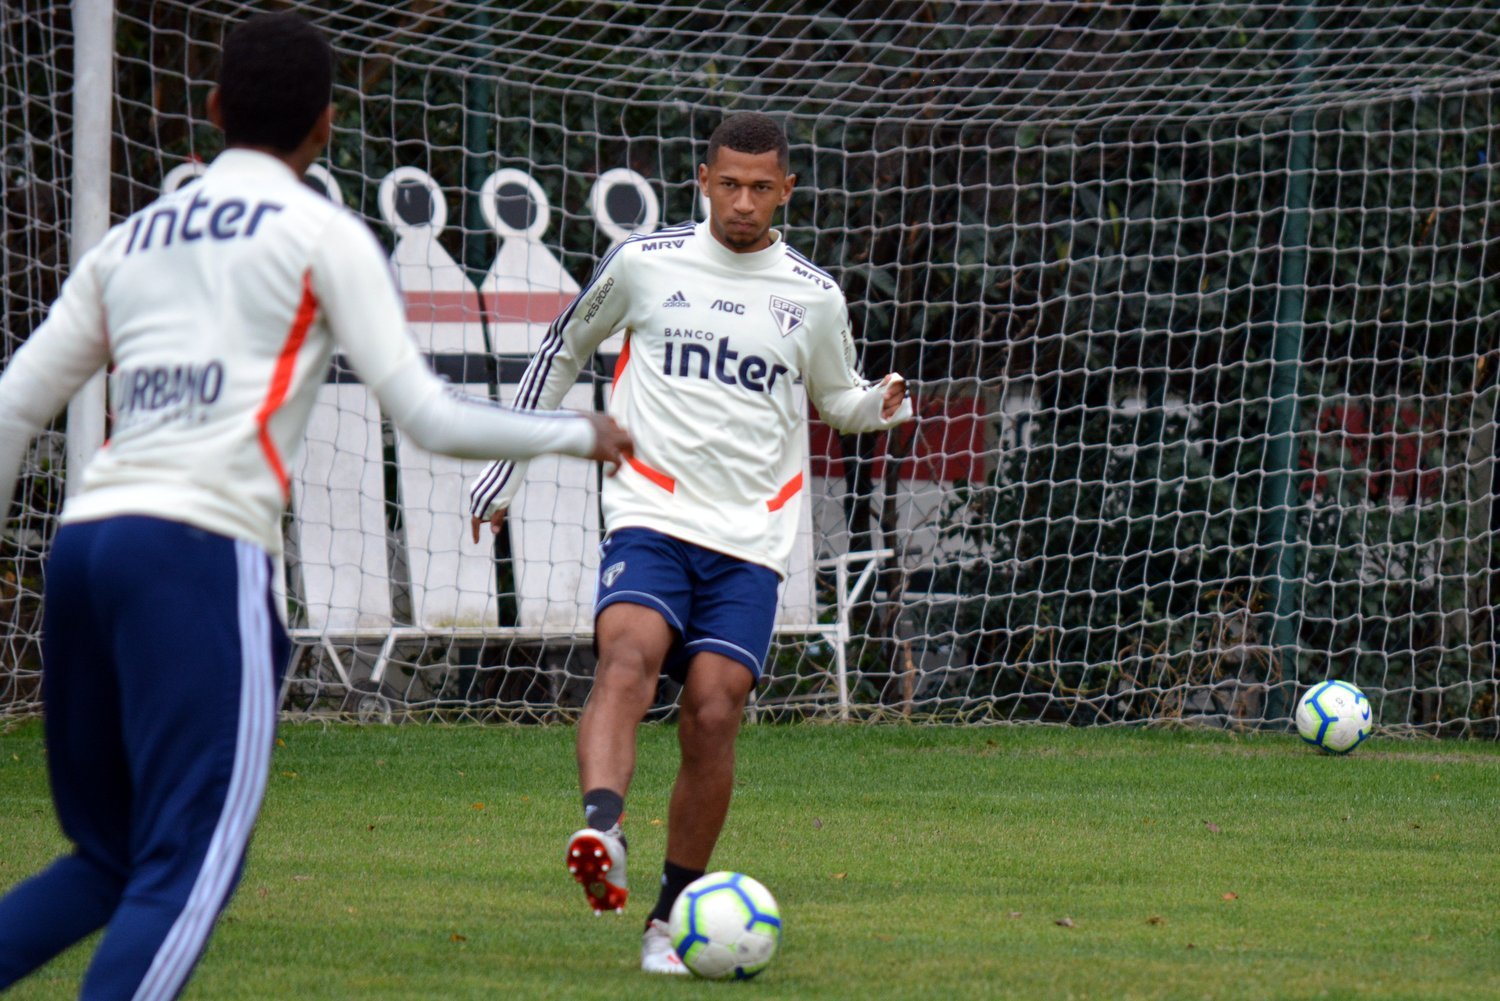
[789,315]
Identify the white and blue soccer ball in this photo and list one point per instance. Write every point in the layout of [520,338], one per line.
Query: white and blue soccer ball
[725,926]
[1334,716]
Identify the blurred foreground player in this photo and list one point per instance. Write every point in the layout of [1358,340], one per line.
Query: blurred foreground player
[218,308]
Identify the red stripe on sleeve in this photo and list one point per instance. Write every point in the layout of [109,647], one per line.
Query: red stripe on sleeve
[281,380]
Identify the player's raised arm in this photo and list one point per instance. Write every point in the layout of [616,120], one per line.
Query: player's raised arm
[53,364]
[843,397]
[353,286]
[593,315]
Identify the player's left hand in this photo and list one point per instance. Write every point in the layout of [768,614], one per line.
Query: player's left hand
[496,520]
[895,392]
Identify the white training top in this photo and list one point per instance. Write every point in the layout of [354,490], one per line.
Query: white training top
[707,385]
[219,307]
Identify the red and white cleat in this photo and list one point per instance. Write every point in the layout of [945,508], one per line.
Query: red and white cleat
[597,861]
[657,954]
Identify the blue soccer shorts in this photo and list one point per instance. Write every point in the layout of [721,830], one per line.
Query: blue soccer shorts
[714,603]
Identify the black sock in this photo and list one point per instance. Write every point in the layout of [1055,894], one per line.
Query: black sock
[602,808]
[674,879]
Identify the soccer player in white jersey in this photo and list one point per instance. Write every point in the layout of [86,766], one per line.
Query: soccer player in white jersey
[218,307]
[722,322]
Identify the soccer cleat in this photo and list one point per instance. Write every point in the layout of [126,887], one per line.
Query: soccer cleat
[597,860]
[657,954]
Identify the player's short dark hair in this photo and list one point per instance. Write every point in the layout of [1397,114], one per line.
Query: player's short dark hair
[750,132]
[275,79]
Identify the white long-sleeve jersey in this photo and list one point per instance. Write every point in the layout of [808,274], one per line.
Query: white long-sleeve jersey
[707,384]
[219,307]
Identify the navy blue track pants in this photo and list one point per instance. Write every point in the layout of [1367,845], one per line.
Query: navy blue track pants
[162,658]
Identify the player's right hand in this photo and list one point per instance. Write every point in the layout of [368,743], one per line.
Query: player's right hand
[612,443]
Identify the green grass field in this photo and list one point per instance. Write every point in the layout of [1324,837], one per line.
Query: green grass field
[425,862]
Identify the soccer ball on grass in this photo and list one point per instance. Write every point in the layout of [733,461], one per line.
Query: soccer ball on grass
[725,925]
[1334,716]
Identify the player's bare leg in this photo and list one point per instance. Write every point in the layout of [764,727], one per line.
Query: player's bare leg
[709,713]
[711,707]
[633,641]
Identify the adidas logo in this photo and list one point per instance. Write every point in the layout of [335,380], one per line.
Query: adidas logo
[677,299]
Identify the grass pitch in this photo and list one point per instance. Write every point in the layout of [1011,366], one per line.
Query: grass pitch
[425,862]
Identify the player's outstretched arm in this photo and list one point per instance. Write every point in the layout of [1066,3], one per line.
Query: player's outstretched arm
[843,398]
[442,420]
[353,286]
[597,312]
[49,368]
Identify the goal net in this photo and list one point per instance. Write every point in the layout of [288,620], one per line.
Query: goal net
[1196,302]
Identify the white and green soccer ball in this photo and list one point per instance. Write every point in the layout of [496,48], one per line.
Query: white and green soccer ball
[725,926]
[1334,716]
